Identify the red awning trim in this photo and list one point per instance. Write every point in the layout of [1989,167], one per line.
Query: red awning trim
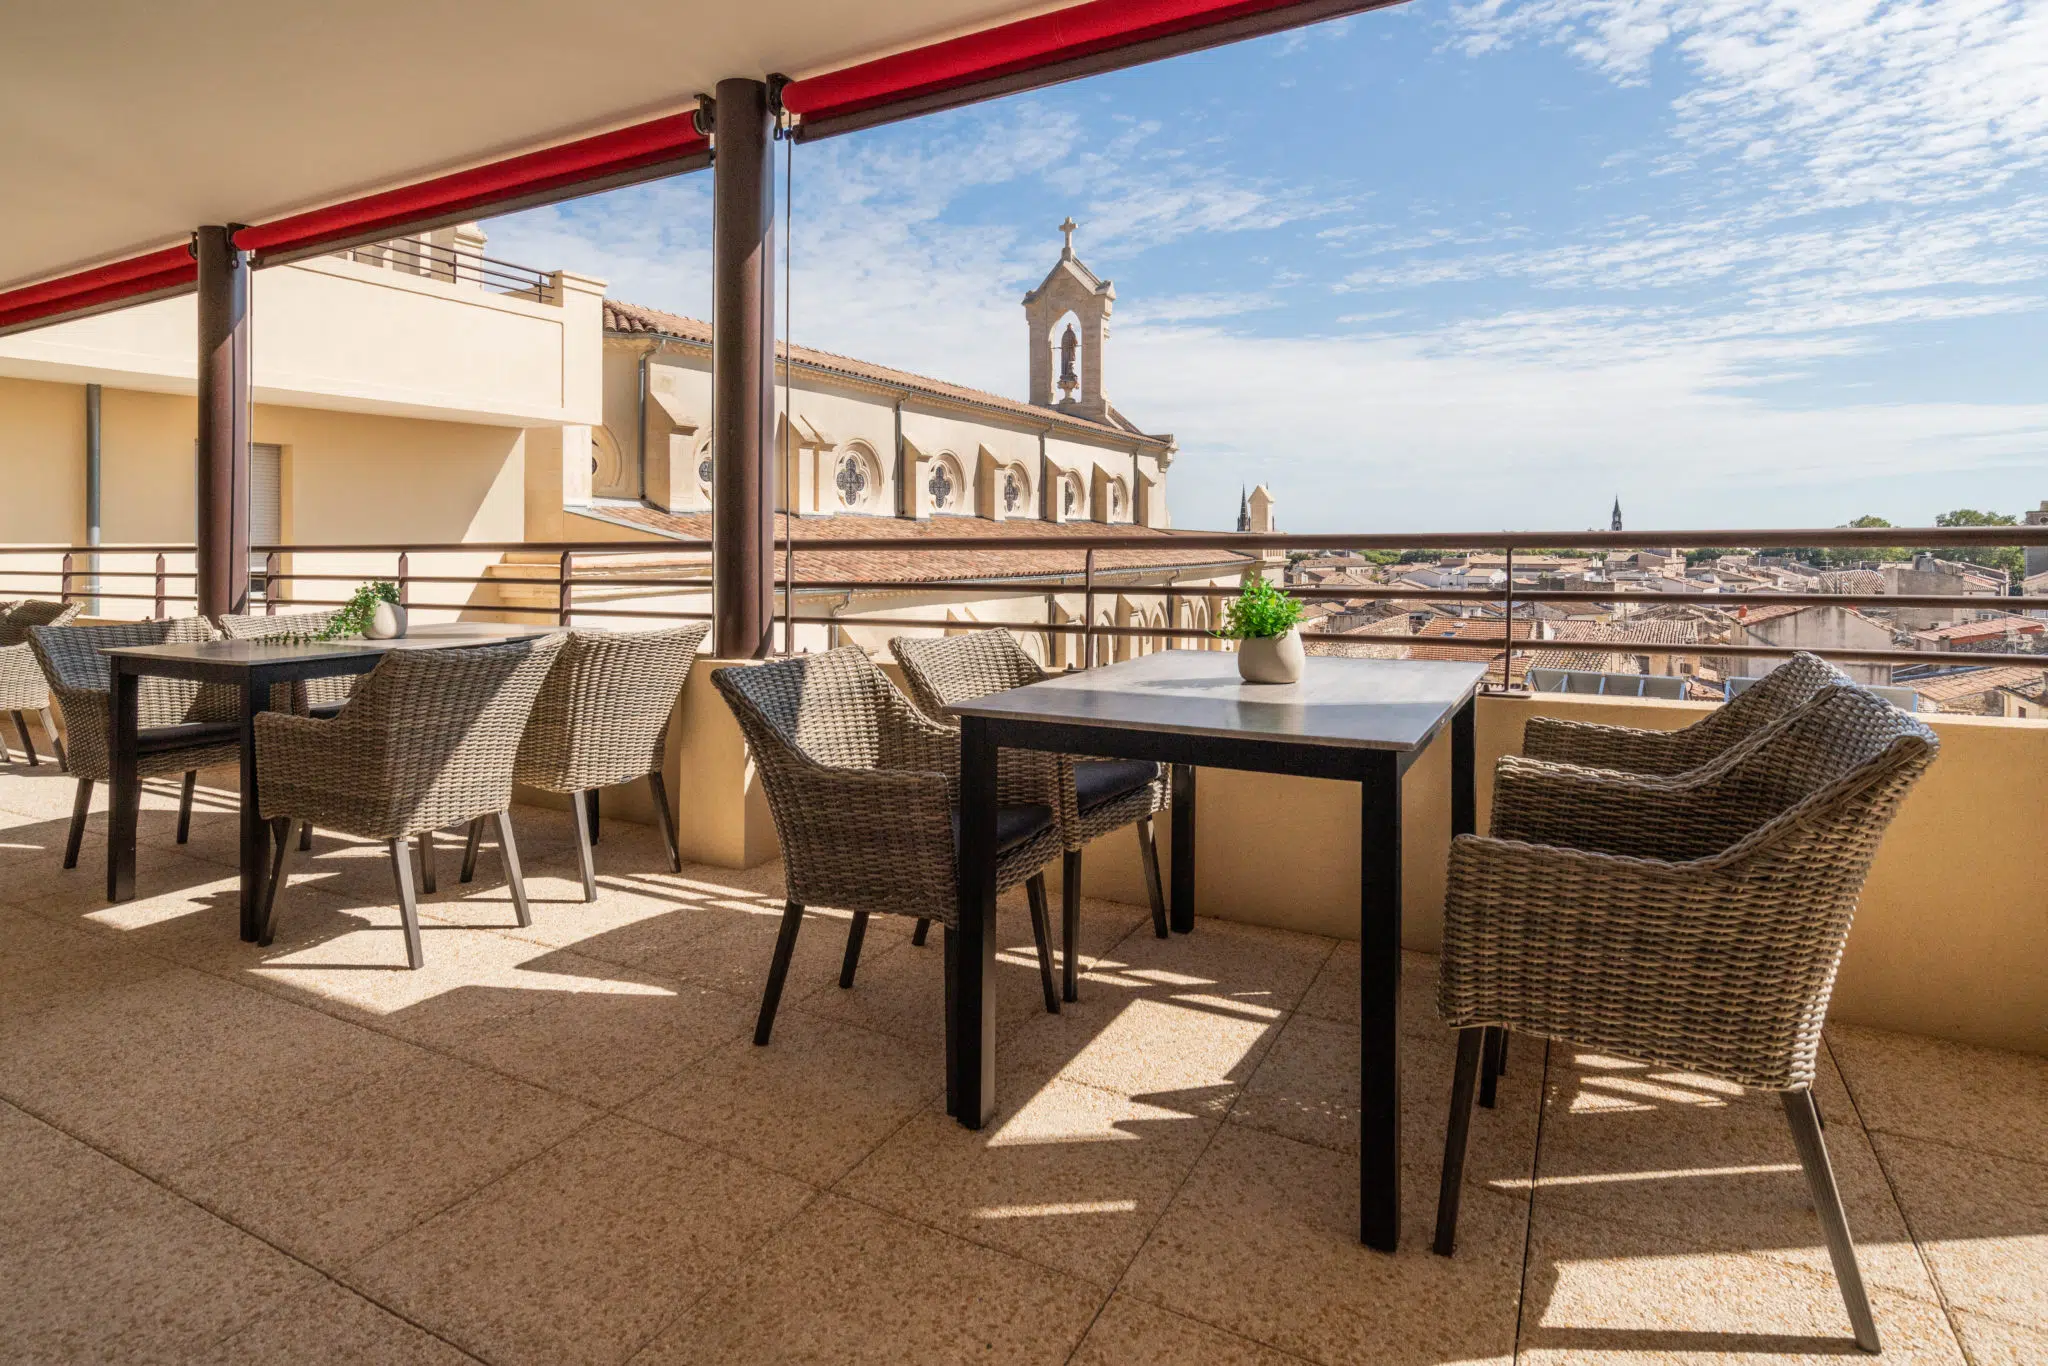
[1101,35]
[160,273]
[664,146]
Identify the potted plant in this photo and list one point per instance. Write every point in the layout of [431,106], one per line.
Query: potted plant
[372,612]
[1263,622]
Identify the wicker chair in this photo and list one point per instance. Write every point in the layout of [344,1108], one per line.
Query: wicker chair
[1772,698]
[1092,796]
[183,727]
[23,688]
[1693,922]
[321,697]
[602,719]
[864,791]
[428,740]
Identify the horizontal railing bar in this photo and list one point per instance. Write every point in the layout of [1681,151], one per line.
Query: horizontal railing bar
[473,580]
[628,612]
[423,606]
[1873,538]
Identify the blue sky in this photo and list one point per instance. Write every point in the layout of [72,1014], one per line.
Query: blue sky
[1738,262]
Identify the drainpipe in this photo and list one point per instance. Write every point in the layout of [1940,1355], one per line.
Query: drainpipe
[905,496]
[645,356]
[92,497]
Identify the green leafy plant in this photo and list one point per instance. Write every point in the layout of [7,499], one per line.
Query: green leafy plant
[354,617]
[1260,611]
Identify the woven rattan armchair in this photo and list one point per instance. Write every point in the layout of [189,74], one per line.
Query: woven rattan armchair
[602,719]
[23,689]
[1769,700]
[183,727]
[1693,922]
[428,740]
[315,696]
[1092,796]
[864,790]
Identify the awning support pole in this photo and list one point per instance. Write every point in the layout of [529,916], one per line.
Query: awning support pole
[222,522]
[743,372]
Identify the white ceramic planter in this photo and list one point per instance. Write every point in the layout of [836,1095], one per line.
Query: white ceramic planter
[1271,659]
[387,622]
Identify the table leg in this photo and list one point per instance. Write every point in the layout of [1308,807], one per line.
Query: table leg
[1182,913]
[1464,775]
[255,830]
[971,945]
[1379,1002]
[124,790]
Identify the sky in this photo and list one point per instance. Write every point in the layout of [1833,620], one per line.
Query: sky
[1753,263]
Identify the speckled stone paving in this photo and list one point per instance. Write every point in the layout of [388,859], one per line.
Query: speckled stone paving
[558,1144]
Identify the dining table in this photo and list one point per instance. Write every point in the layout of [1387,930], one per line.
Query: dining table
[252,668]
[1356,720]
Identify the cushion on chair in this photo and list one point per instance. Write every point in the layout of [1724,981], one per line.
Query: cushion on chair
[1014,825]
[1098,782]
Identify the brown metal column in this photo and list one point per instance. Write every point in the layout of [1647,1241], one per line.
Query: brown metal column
[743,373]
[222,524]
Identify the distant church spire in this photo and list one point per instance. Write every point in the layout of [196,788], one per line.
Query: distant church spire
[1244,509]
[1617,514]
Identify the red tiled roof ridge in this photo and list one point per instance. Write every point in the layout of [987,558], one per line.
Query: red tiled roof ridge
[620,316]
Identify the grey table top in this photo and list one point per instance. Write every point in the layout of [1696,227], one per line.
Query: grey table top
[439,636]
[1393,704]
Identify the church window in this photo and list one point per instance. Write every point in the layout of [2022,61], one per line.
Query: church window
[1116,498]
[704,470]
[852,479]
[1013,488]
[942,485]
[1071,500]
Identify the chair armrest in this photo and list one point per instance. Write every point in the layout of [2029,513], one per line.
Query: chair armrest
[1614,747]
[301,762]
[1685,963]
[1607,811]
[866,839]
[21,678]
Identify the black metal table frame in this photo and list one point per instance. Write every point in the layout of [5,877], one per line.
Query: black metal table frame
[970,995]
[253,680]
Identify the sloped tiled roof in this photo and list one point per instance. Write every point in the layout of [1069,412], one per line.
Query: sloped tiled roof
[1945,688]
[625,319]
[896,555]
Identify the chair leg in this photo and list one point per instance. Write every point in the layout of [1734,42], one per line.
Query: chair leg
[924,927]
[280,836]
[1041,934]
[56,740]
[1148,850]
[305,837]
[590,800]
[1453,1180]
[470,849]
[408,900]
[28,746]
[80,805]
[579,806]
[427,879]
[666,819]
[778,969]
[1804,1118]
[185,805]
[855,933]
[1070,924]
[508,850]
[1489,1066]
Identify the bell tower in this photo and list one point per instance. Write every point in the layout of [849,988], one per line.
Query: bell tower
[1069,288]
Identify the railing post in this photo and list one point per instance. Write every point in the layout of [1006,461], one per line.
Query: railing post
[159,614]
[64,584]
[1507,657]
[563,589]
[270,572]
[1088,609]
[404,579]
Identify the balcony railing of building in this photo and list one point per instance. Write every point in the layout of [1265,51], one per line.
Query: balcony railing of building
[160,576]
[455,264]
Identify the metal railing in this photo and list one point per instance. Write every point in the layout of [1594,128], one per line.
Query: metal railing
[455,265]
[1078,574]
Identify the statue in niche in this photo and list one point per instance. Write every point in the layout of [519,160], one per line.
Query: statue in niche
[1069,381]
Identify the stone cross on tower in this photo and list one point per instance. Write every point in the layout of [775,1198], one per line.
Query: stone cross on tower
[1070,288]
